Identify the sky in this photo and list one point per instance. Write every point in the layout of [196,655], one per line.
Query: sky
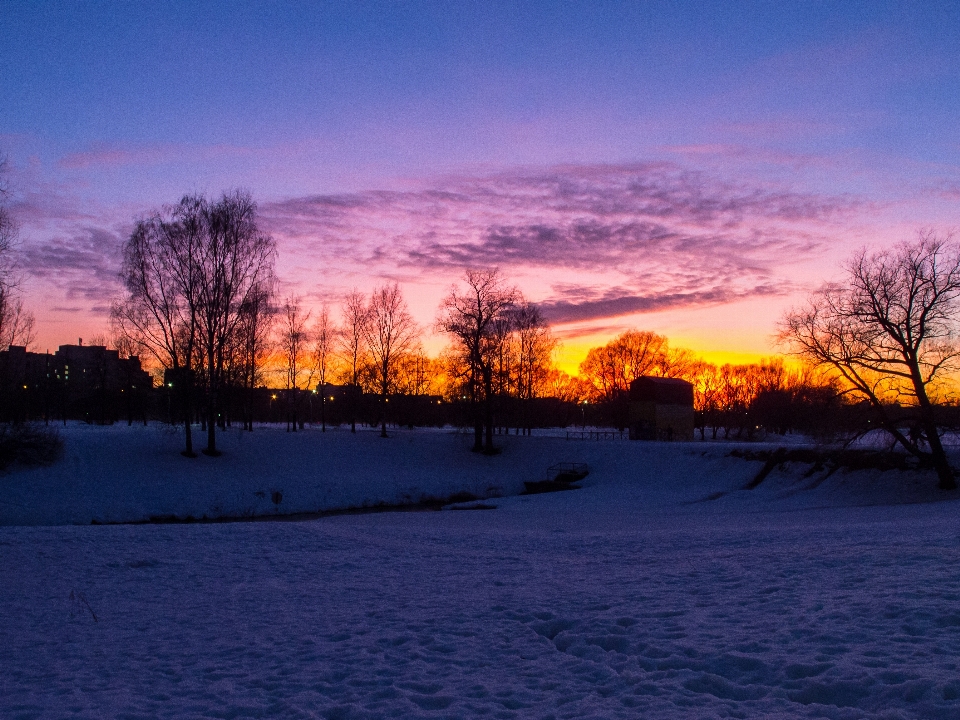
[688,168]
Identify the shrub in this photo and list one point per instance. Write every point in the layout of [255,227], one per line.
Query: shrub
[29,444]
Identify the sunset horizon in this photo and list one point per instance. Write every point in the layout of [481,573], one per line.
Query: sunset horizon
[480,359]
[681,169]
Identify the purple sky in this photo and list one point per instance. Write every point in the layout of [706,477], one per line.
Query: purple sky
[690,168]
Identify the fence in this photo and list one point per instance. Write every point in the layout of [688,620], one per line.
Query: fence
[597,435]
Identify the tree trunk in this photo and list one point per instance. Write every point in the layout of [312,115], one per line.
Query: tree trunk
[940,462]
[488,409]
[188,450]
[354,401]
[187,391]
[211,448]
[477,416]
[478,433]
[383,403]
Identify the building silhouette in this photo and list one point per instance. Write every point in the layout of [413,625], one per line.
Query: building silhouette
[78,382]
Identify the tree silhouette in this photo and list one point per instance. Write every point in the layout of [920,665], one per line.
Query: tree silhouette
[610,369]
[295,346]
[389,332]
[159,310]
[889,331]
[352,347]
[16,323]
[234,259]
[324,337]
[190,271]
[252,341]
[473,316]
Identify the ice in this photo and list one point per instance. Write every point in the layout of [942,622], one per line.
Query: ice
[633,597]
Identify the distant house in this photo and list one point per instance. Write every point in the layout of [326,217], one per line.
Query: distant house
[661,409]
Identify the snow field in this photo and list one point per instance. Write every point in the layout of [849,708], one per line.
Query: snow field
[633,597]
[130,474]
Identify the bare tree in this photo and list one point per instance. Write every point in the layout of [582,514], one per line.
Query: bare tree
[189,271]
[257,316]
[295,345]
[599,372]
[352,346]
[8,230]
[127,348]
[234,260]
[16,323]
[610,369]
[324,336]
[158,312]
[562,386]
[453,374]
[641,353]
[677,363]
[389,334]
[472,315]
[183,235]
[535,346]
[417,373]
[889,331]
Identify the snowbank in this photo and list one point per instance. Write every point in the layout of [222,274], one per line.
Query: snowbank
[132,474]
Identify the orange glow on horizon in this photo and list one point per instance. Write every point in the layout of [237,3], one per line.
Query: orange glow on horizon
[572,353]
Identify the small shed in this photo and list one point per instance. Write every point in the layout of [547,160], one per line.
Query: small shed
[661,409]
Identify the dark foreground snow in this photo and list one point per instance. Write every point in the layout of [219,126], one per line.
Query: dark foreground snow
[628,598]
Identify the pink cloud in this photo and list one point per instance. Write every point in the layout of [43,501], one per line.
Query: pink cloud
[591,242]
[84,266]
[655,235]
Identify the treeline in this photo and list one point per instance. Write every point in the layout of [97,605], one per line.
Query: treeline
[731,401]
[201,300]
[201,306]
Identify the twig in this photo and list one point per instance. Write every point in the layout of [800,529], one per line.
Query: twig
[79,596]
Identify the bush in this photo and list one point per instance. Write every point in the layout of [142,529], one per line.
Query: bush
[29,444]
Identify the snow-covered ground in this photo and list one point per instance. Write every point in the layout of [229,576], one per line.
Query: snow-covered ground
[661,589]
